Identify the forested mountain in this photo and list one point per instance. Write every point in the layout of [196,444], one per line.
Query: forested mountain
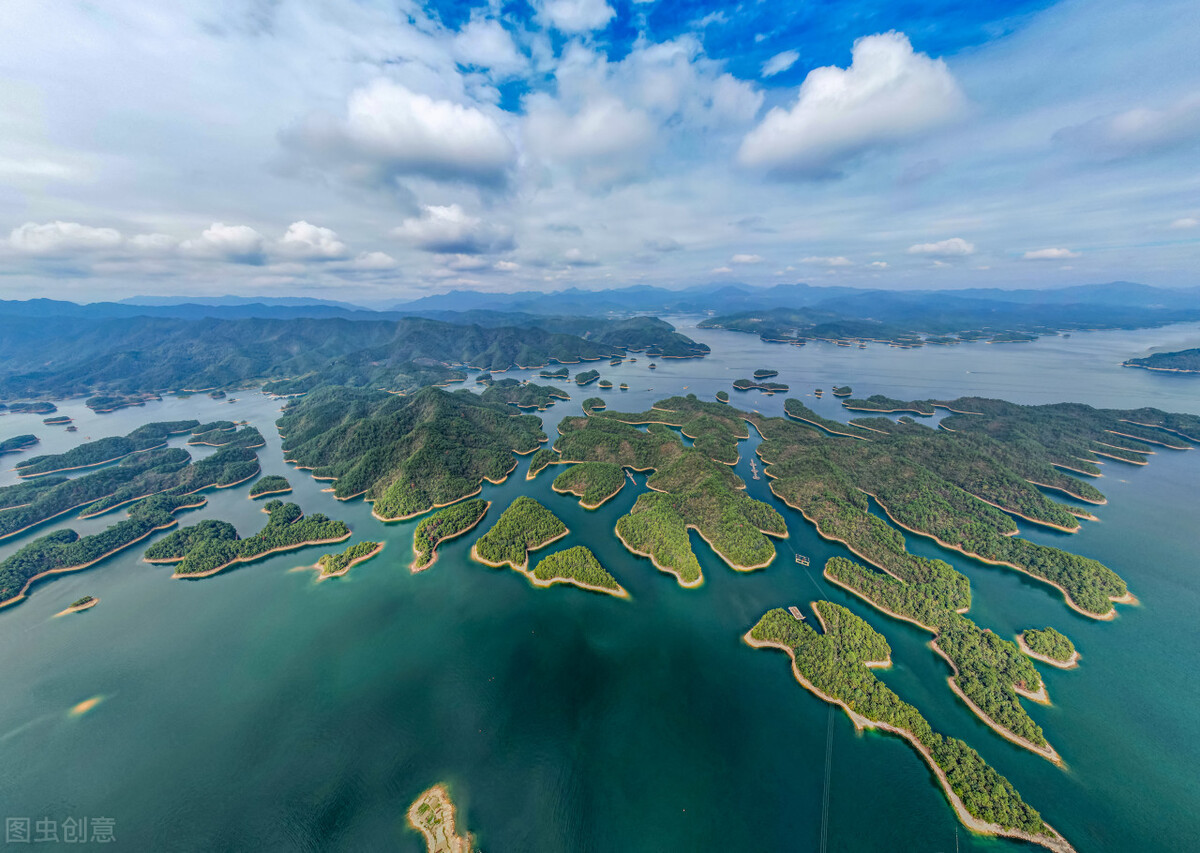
[1183,361]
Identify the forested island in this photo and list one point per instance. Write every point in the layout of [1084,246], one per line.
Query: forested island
[57,420]
[105,403]
[1183,361]
[579,567]
[594,404]
[104,450]
[336,565]
[769,387]
[432,815]
[36,407]
[407,454]
[765,373]
[557,373]
[587,377]
[594,483]
[523,396]
[17,443]
[722,396]
[524,526]
[210,546]
[842,390]
[67,551]
[880,403]
[454,520]
[835,665]
[1049,646]
[79,605]
[272,484]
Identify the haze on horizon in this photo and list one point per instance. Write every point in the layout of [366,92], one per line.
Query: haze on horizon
[380,151]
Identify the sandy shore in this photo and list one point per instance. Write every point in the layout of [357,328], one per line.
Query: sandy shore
[324,575]
[579,494]
[1054,842]
[1091,501]
[32,476]
[1072,663]
[824,428]
[79,609]
[271,492]
[433,554]
[1040,521]
[699,581]
[262,556]
[529,549]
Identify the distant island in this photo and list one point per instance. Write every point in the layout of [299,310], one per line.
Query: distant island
[454,520]
[723,396]
[765,373]
[579,567]
[594,483]
[587,377]
[432,814]
[104,450]
[526,525]
[272,484]
[336,565]
[17,443]
[524,396]
[769,387]
[1183,361]
[79,605]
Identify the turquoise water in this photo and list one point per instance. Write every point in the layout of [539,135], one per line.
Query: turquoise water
[260,709]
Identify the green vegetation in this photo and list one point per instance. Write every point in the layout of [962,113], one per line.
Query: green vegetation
[558,373]
[769,387]
[594,404]
[332,565]
[765,374]
[66,550]
[104,450]
[1049,644]
[723,396]
[228,437]
[104,403]
[1183,361]
[207,548]
[842,390]
[38,407]
[605,384]
[79,602]
[525,526]
[484,378]
[59,420]
[714,428]
[272,484]
[407,454]
[593,483]
[836,664]
[624,386]
[528,396]
[444,524]
[793,408]
[541,458]
[880,403]
[587,377]
[577,566]
[1012,338]
[17,443]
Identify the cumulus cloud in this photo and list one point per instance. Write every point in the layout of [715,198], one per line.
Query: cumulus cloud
[304,240]
[575,16]
[448,229]
[1050,255]
[878,265]
[506,266]
[888,94]
[780,62]
[60,238]
[606,139]
[368,261]
[153,244]
[746,259]
[1186,222]
[722,270]
[664,244]
[485,43]
[955,247]
[1137,132]
[237,243]
[837,261]
[577,258]
[390,131]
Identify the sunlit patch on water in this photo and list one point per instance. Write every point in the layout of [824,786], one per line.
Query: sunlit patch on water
[85,706]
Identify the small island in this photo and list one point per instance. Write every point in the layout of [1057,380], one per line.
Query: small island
[484,378]
[559,373]
[17,443]
[579,567]
[653,366]
[432,815]
[445,524]
[594,404]
[888,405]
[1050,647]
[37,407]
[605,384]
[587,377]
[1183,361]
[80,605]
[104,404]
[57,420]
[272,484]
[594,483]
[765,373]
[525,526]
[524,396]
[723,396]
[842,390]
[105,450]
[624,386]
[336,565]
[769,387]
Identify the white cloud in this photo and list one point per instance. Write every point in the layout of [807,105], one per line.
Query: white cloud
[238,243]
[780,62]
[575,16]
[722,270]
[1049,255]
[304,240]
[1186,222]
[1137,132]
[888,94]
[373,261]
[58,238]
[955,247]
[575,257]
[486,44]
[506,266]
[448,229]
[606,138]
[746,259]
[153,244]
[390,130]
[878,265]
[838,261]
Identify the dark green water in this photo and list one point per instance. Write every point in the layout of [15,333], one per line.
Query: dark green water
[258,709]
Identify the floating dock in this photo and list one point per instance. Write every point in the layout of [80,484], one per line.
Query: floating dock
[795,611]
[801,559]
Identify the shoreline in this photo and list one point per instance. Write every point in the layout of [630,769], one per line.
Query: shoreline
[699,581]
[1042,522]
[236,560]
[1071,663]
[448,815]
[529,549]
[824,428]
[619,592]
[1102,502]
[1055,842]
[271,492]
[433,552]
[579,495]
[18,469]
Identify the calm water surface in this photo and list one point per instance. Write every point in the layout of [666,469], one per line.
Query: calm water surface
[258,709]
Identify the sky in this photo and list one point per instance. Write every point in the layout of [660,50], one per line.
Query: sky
[375,152]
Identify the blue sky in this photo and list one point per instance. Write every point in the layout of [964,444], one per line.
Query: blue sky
[377,151]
